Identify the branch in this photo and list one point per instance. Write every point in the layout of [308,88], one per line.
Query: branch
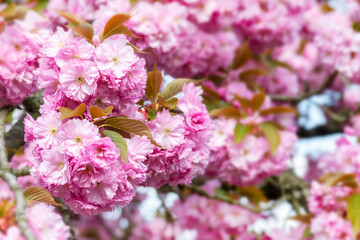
[294,99]
[65,213]
[14,138]
[203,193]
[11,180]
[21,172]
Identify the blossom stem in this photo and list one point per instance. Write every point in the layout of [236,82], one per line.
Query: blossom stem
[10,179]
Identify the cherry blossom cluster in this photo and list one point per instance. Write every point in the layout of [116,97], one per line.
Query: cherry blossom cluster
[74,71]
[20,41]
[185,141]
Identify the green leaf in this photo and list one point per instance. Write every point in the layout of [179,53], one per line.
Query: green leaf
[242,55]
[115,26]
[69,113]
[272,134]
[176,87]
[240,132]
[38,194]
[307,233]
[151,113]
[41,5]
[353,212]
[153,84]
[119,142]
[131,126]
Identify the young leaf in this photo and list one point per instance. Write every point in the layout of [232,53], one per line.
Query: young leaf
[115,26]
[251,74]
[229,112]
[97,112]
[78,25]
[136,49]
[240,132]
[306,218]
[242,55]
[277,110]
[353,212]
[69,113]
[176,87]
[257,101]
[245,103]
[72,18]
[153,83]
[41,5]
[343,179]
[38,194]
[254,194]
[85,30]
[119,142]
[272,134]
[131,126]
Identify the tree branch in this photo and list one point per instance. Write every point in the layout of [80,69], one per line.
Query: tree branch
[14,138]
[203,193]
[10,179]
[294,99]
[21,172]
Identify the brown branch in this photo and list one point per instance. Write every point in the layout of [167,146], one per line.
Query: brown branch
[10,179]
[203,193]
[65,213]
[294,99]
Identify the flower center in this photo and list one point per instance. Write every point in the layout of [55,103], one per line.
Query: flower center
[78,140]
[167,131]
[115,59]
[53,131]
[60,165]
[80,80]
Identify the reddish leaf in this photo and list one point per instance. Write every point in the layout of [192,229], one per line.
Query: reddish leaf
[97,112]
[69,113]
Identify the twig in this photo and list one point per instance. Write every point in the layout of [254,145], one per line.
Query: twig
[21,172]
[203,193]
[65,213]
[11,180]
[285,98]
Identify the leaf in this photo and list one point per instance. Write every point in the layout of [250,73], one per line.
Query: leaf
[171,104]
[85,30]
[245,103]
[97,112]
[275,63]
[176,87]
[153,84]
[41,5]
[343,179]
[229,112]
[353,212]
[72,18]
[131,126]
[257,101]
[272,134]
[115,26]
[306,218]
[151,113]
[251,74]
[277,110]
[242,55]
[69,113]
[136,49]
[38,194]
[78,25]
[307,233]
[254,194]
[240,132]
[119,142]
